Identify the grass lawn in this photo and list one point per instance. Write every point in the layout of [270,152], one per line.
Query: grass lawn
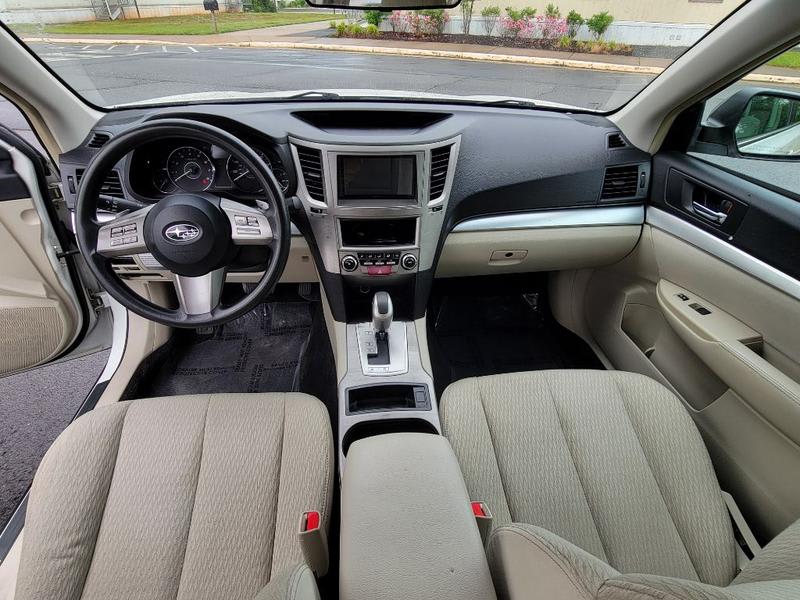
[184,24]
[790,60]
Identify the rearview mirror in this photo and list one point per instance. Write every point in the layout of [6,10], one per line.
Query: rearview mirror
[754,123]
[770,126]
[385,5]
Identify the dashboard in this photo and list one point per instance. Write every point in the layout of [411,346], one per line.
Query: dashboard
[395,194]
[171,165]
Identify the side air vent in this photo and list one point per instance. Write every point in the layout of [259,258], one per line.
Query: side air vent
[615,141]
[311,166]
[98,140]
[112,186]
[440,160]
[620,182]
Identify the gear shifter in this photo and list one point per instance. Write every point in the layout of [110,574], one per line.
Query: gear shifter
[382,313]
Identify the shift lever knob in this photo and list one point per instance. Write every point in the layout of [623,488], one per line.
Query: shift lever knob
[382,312]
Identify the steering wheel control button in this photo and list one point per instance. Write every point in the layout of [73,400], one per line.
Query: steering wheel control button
[247,231]
[409,262]
[349,263]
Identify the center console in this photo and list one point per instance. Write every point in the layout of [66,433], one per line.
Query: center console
[407,527]
[376,213]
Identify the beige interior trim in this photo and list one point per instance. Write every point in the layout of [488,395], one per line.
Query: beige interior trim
[143,338]
[337,333]
[730,349]
[537,249]
[32,289]
[728,52]
[9,569]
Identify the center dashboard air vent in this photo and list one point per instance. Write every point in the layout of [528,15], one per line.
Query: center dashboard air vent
[621,182]
[440,161]
[311,167]
[98,140]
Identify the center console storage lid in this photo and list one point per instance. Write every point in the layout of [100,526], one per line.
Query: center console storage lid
[407,528]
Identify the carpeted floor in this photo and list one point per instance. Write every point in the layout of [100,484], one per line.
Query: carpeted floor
[258,352]
[484,326]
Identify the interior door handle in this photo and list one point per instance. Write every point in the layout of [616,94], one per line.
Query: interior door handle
[709,215]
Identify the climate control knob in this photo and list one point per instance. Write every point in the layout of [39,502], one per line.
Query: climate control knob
[349,263]
[409,261]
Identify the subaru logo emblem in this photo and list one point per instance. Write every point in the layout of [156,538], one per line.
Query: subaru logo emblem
[182,232]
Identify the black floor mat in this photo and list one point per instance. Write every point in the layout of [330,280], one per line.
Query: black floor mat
[258,352]
[487,326]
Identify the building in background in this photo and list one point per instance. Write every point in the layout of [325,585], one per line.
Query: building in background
[65,11]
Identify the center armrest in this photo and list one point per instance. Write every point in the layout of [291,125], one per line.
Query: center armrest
[407,528]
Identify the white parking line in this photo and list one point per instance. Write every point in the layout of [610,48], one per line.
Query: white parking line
[112,47]
[86,47]
[136,49]
[192,49]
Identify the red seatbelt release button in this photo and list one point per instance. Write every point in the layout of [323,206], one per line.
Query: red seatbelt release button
[483,517]
[311,520]
[313,542]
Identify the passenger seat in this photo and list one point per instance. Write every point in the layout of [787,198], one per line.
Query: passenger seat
[601,487]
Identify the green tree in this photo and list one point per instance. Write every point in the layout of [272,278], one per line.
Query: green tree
[599,23]
[517,14]
[574,22]
[466,15]
[490,16]
[373,17]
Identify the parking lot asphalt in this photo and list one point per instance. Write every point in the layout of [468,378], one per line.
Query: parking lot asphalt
[123,73]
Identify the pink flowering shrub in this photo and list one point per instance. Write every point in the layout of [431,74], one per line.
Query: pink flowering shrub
[398,21]
[419,22]
[533,27]
[520,27]
[551,28]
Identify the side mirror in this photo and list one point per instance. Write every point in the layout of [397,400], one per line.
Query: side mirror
[754,123]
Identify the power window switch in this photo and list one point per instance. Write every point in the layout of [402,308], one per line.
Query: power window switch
[683,297]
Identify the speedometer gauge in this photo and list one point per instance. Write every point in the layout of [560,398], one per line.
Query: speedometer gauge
[241,176]
[190,169]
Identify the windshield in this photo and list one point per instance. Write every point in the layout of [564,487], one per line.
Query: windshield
[593,55]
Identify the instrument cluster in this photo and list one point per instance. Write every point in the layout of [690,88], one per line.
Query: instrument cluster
[171,166]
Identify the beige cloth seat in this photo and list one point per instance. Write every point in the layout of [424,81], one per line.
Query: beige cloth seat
[185,497]
[601,487]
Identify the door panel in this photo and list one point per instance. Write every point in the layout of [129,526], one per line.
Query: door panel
[736,363]
[39,311]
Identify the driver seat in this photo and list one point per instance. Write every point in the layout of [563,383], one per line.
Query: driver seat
[180,497]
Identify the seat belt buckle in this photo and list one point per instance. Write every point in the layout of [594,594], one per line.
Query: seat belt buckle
[313,542]
[483,517]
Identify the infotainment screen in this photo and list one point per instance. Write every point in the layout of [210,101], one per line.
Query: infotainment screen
[376,177]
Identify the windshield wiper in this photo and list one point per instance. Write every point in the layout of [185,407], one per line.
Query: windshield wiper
[509,102]
[314,94]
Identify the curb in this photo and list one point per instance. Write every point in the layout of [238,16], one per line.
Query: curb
[417,52]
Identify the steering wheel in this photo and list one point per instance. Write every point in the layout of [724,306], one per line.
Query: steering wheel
[192,235]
